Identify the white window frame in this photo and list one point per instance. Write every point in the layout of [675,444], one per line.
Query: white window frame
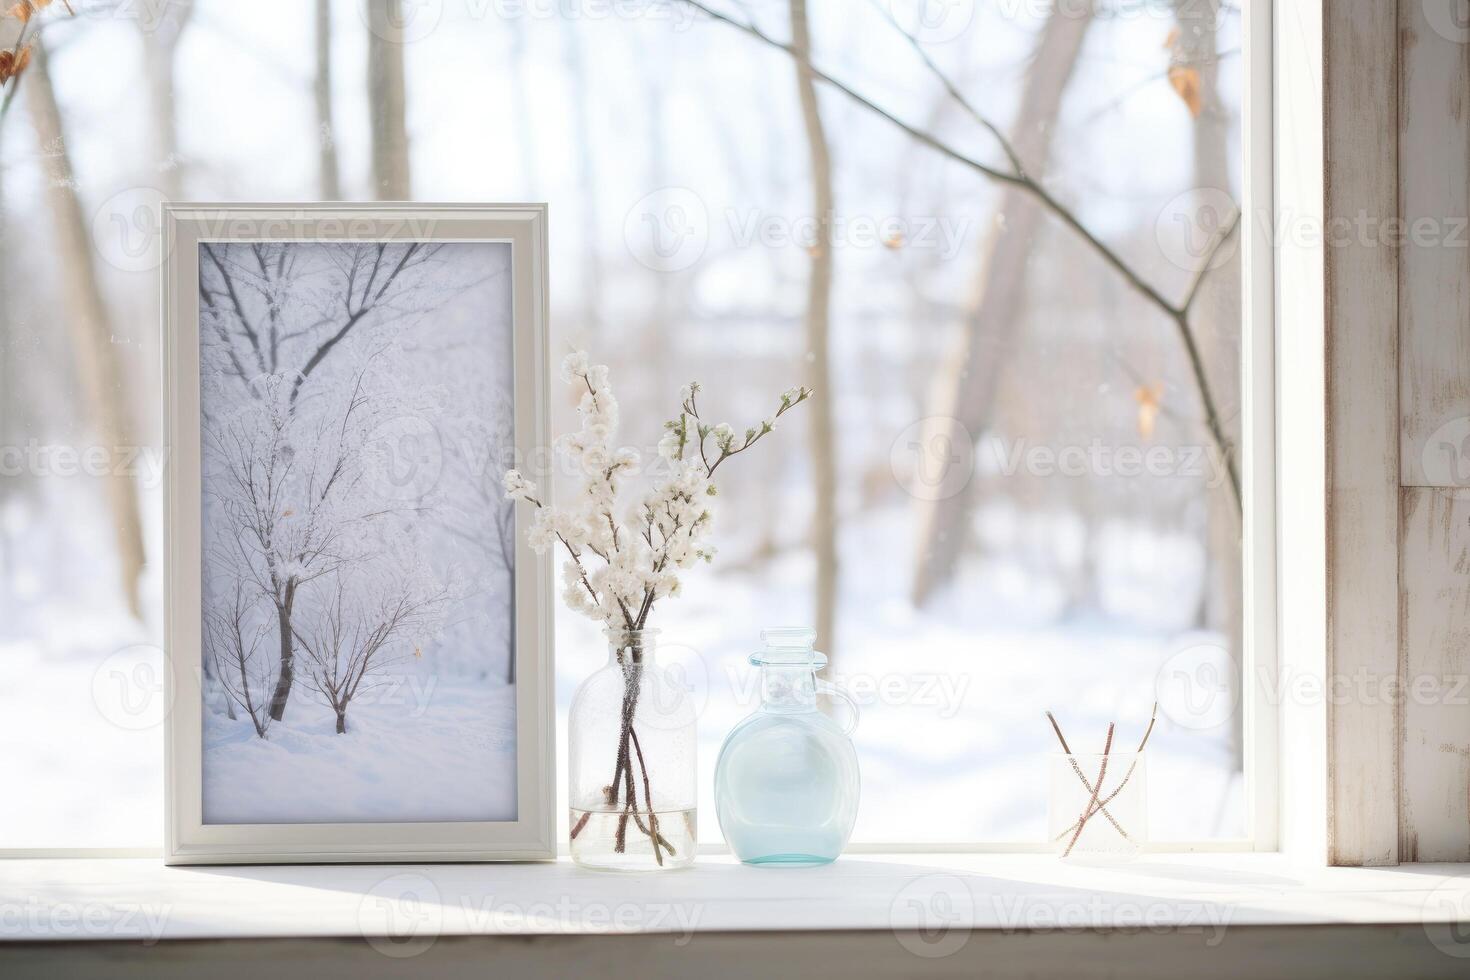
[1259,356]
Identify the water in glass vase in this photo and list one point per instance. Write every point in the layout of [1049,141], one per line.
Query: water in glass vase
[631,761]
[786,784]
[596,842]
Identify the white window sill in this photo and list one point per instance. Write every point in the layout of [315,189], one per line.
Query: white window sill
[74,899]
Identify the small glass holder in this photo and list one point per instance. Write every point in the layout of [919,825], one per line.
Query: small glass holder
[1097,806]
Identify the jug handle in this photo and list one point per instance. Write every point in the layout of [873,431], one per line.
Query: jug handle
[838,694]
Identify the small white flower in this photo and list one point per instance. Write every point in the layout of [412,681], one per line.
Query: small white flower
[539,538]
[574,366]
[595,460]
[518,487]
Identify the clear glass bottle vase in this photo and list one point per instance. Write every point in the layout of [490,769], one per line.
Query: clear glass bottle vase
[787,783]
[631,759]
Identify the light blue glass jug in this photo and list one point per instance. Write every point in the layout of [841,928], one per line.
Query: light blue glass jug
[786,783]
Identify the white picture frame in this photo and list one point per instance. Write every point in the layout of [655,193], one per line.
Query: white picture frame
[189,838]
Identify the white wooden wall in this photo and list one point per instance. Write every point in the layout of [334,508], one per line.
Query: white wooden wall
[1361,80]
[1433,400]
[1374,368]
[1434,429]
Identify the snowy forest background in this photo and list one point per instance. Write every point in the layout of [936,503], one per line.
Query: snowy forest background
[358,417]
[961,585]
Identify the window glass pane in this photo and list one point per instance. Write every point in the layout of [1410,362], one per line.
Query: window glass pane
[1010,496]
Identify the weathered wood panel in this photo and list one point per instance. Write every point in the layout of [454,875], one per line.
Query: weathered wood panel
[1434,421]
[1360,93]
[1434,299]
[1436,659]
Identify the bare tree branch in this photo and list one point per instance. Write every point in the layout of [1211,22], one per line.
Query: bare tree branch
[234,649]
[1209,261]
[351,643]
[1177,313]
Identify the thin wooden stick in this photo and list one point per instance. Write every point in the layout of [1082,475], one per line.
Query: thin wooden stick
[652,829]
[1086,783]
[1058,729]
[1102,774]
[1102,805]
[1150,729]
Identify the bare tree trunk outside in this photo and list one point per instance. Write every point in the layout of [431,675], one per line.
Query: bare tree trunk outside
[1216,323]
[819,299]
[656,327]
[161,37]
[329,171]
[521,104]
[388,101]
[590,266]
[966,391]
[99,371]
[12,399]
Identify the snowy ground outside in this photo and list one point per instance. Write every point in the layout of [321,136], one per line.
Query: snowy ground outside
[953,741]
[934,769]
[391,765]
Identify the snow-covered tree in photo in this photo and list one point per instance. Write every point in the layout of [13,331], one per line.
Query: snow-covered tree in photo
[295,490]
[480,444]
[275,316]
[276,308]
[366,621]
[622,557]
[237,647]
[355,595]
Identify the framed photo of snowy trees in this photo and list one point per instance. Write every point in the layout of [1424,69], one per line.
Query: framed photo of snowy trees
[359,638]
